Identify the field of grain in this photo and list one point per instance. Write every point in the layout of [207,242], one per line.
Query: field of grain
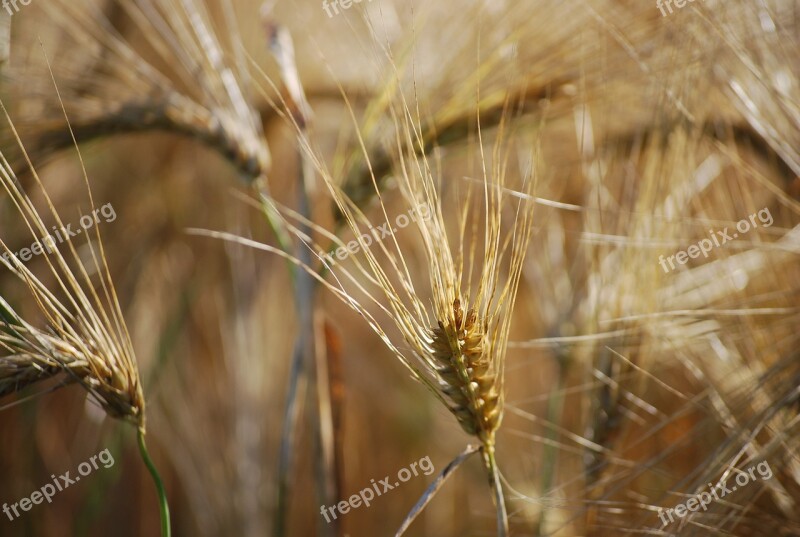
[385,267]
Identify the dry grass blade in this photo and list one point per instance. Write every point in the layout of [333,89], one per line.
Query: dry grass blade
[434,487]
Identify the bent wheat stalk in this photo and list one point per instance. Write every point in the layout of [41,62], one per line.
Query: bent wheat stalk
[186,77]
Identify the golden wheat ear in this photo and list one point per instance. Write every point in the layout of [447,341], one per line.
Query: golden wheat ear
[85,335]
[457,346]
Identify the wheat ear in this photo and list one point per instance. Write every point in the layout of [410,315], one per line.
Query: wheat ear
[457,350]
[86,335]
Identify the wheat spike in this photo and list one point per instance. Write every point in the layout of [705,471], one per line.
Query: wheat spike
[456,348]
[86,336]
[17,371]
[467,375]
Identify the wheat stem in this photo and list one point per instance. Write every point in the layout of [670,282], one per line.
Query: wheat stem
[497,489]
[160,490]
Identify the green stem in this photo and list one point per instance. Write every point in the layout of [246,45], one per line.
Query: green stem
[162,493]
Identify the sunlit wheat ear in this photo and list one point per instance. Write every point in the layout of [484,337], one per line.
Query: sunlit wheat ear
[458,346]
[37,355]
[468,378]
[455,344]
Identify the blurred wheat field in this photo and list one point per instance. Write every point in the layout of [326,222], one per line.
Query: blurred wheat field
[615,135]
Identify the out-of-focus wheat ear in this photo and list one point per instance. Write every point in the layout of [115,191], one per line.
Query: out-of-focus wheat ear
[450,126]
[195,93]
[456,118]
[173,113]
